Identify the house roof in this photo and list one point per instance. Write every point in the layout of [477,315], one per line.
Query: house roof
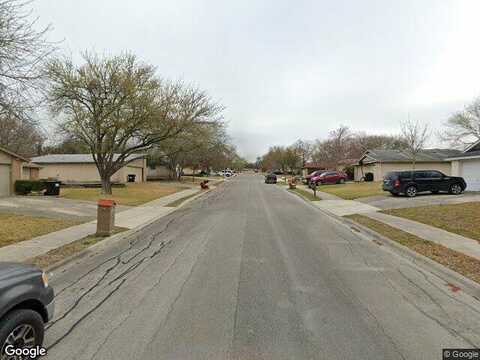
[76,158]
[427,155]
[467,155]
[13,154]
[314,165]
[473,147]
[31,165]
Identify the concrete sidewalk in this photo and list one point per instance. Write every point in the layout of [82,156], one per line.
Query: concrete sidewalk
[130,219]
[455,242]
[338,206]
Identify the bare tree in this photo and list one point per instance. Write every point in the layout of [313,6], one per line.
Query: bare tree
[117,107]
[463,127]
[415,136]
[23,49]
[21,135]
[304,149]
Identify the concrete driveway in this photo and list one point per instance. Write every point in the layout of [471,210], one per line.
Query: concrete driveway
[51,207]
[391,202]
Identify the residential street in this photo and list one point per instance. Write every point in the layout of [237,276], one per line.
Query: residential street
[251,271]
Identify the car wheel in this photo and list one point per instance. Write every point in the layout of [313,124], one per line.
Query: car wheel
[435,192]
[411,191]
[456,189]
[22,329]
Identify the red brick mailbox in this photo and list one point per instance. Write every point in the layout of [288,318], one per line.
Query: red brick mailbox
[105,217]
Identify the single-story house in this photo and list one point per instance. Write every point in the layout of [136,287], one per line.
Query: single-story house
[467,165]
[310,167]
[14,167]
[81,168]
[157,172]
[380,162]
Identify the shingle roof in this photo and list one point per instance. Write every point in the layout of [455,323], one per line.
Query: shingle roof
[76,158]
[466,155]
[426,155]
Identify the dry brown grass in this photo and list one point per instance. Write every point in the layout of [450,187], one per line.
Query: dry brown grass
[16,228]
[57,255]
[463,264]
[354,190]
[462,219]
[132,194]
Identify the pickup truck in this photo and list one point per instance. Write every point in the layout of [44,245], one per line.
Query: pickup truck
[26,304]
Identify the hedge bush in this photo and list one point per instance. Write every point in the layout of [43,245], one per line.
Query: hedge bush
[24,187]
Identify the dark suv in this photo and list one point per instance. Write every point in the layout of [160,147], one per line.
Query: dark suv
[413,182]
[26,304]
[271,179]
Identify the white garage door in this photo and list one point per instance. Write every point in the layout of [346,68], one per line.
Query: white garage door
[4,180]
[471,174]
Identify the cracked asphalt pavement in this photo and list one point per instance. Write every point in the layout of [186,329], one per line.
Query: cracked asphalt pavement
[250,271]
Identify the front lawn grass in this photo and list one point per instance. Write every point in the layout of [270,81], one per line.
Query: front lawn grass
[354,190]
[16,228]
[463,264]
[305,194]
[56,255]
[462,219]
[132,194]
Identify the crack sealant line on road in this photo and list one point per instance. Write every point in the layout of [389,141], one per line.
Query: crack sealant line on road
[445,274]
[125,235]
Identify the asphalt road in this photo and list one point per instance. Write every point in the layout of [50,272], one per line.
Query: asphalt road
[250,271]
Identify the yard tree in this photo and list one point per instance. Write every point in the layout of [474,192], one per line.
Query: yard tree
[195,147]
[117,106]
[21,135]
[304,150]
[415,136]
[23,49]
[463,127]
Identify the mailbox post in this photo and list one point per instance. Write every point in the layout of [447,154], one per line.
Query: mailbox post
[105,217]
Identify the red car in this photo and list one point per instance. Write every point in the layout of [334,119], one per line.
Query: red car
[306,179]
[329,177]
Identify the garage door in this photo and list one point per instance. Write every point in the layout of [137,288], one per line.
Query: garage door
[4,180]
[471,174]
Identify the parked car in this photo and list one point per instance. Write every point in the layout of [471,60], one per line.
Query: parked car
[270,179]
[329,177]
[306,179]
[26,304]
[411,183]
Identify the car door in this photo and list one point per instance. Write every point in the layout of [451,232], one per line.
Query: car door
[329,178]
[436,181]
[422,181]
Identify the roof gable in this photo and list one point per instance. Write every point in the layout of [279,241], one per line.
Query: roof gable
[473,147]
[12,154]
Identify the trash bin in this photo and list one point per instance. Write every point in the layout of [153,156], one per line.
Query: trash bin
[131,177]
[105,217]
[53,188]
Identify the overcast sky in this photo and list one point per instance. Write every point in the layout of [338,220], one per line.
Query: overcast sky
[294,69]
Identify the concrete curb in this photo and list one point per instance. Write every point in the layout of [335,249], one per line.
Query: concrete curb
[449,276]
[121,236]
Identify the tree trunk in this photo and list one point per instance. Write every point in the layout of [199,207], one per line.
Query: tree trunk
[106,185]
